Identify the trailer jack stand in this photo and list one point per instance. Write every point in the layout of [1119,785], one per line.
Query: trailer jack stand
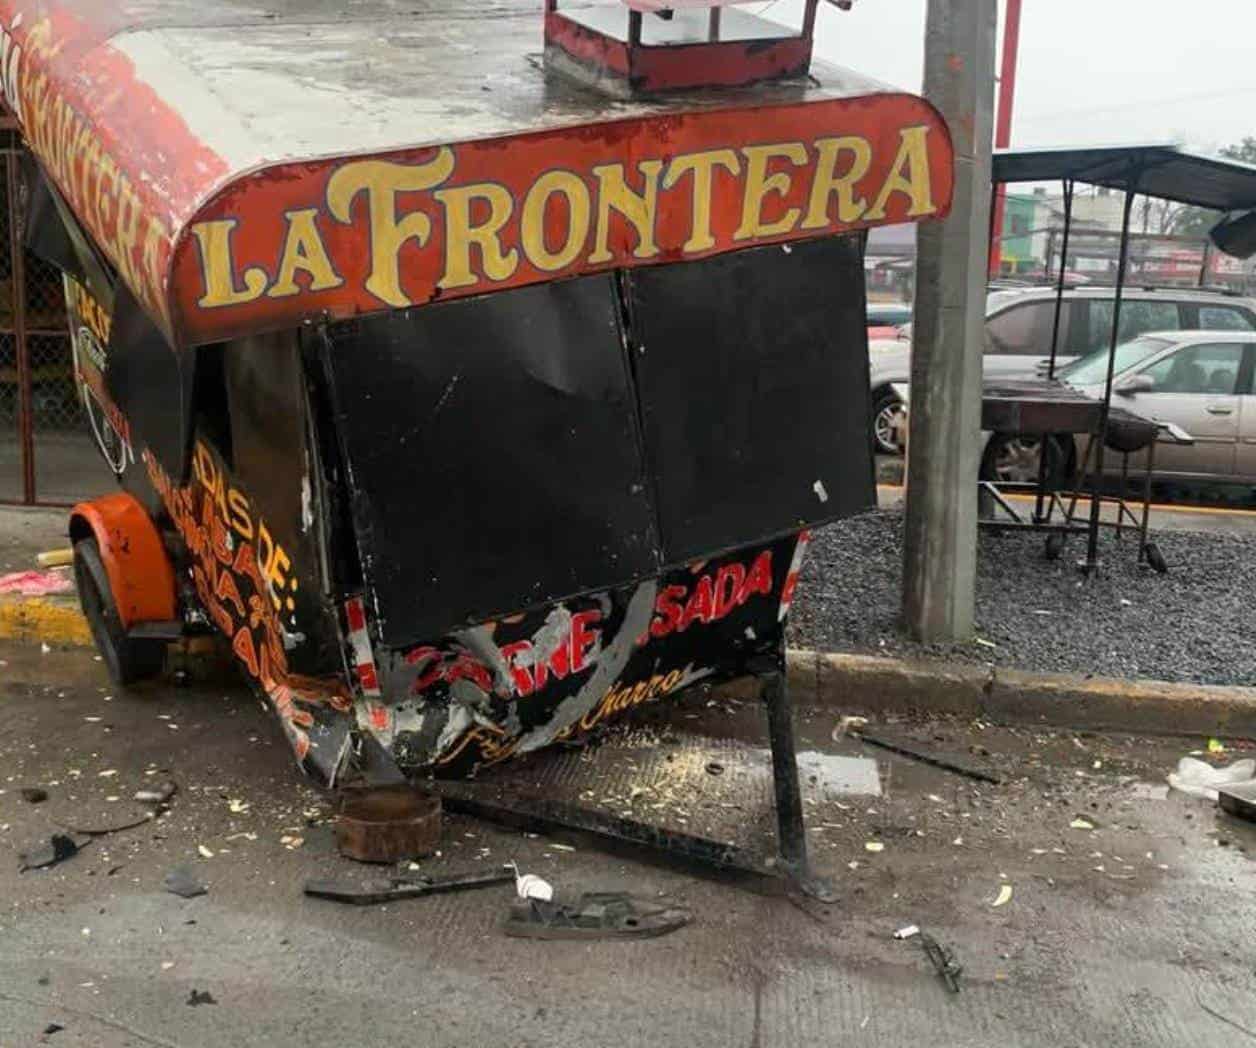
[790,829]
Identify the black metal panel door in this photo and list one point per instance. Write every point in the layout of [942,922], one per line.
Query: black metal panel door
[494,455]
[752,370]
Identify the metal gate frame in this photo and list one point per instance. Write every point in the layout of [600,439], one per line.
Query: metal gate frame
[13,150]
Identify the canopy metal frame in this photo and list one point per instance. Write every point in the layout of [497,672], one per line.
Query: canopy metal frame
[1162,171]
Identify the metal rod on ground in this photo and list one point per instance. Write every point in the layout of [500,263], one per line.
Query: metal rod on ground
[940,521]
[1092,539]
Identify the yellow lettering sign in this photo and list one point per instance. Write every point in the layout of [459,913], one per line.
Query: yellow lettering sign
[760,185]
[381,181]
[829,183]
[532,220]
[702,166]
[461,233]
[303,251]
[638,208]
[218,267]
[909,174]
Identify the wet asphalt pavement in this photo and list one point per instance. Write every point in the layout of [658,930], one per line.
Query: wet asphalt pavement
[1137,931]
[1193,624]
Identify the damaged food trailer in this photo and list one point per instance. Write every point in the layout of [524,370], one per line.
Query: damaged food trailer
[475,396]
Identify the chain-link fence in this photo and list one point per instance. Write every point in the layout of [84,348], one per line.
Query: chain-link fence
[46,450]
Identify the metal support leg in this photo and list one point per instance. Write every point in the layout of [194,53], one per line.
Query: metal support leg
[791,831]
[1142,531]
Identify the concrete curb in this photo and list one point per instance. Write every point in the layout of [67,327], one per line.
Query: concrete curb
[874,685]
[51,620]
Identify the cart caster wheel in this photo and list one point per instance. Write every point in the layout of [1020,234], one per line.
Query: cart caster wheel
[127,659]
[1156,559]
[1054,547]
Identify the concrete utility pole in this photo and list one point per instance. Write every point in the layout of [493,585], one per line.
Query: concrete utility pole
[940,533]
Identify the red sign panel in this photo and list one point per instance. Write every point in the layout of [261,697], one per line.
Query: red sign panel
[387,232]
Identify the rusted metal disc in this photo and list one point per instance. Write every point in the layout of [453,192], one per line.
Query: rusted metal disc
[388,823]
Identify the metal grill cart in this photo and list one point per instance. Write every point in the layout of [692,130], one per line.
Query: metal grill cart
[487,399]
[1049,411]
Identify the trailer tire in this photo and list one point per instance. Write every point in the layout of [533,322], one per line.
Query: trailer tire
[127,659]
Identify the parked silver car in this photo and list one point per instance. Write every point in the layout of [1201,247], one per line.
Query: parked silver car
[1202,381]
[1018,334]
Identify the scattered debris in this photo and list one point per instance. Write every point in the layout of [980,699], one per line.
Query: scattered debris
[106,826]
[530,886]
[1200,779]
[944,962]
[1238,799]
[408,887]
[847,725]
[238,807]
[1216,746]
[1081,824]
[874,846]
[199,997]
[159,793]
[560,847]
[1005,896]
[205,853]
[908,748]
[594,915]
[388,823]
[58,848]
[715,768]
[35,583]
[182,882]
[34,794]
[52,1028]
[907,932]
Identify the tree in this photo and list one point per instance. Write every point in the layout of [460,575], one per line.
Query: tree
[1244,152]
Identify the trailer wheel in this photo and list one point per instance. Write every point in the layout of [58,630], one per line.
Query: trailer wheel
[1054,546]
[1156,559]
[127,659]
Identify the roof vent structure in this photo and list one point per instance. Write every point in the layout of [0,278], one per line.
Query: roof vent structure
[643,47]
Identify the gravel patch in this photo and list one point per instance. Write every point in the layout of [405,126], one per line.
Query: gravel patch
[1196,624]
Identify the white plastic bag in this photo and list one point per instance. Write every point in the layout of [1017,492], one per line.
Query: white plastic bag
[1200,779]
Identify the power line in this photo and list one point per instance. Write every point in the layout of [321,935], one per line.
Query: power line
[1197,96]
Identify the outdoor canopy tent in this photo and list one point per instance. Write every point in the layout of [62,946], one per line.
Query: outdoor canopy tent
[1162,171]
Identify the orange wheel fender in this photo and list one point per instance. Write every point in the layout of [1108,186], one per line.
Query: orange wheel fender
[139,569]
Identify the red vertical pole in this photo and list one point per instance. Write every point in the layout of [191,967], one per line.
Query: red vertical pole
[1003,122]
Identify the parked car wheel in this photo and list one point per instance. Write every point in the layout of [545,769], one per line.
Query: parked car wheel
[127,659]
[885,409]
[1012,458]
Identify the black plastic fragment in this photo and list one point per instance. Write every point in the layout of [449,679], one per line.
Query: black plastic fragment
[181,881]
[58,848]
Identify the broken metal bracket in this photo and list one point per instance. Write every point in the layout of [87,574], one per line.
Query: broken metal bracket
[393,888]
[791,829]
[546,815]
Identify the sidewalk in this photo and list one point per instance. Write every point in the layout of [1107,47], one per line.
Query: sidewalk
[1163,518]
[54,620]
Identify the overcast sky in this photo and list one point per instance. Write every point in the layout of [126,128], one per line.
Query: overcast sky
[1091,71]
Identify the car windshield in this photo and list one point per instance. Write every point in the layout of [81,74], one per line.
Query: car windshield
[1093,367]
